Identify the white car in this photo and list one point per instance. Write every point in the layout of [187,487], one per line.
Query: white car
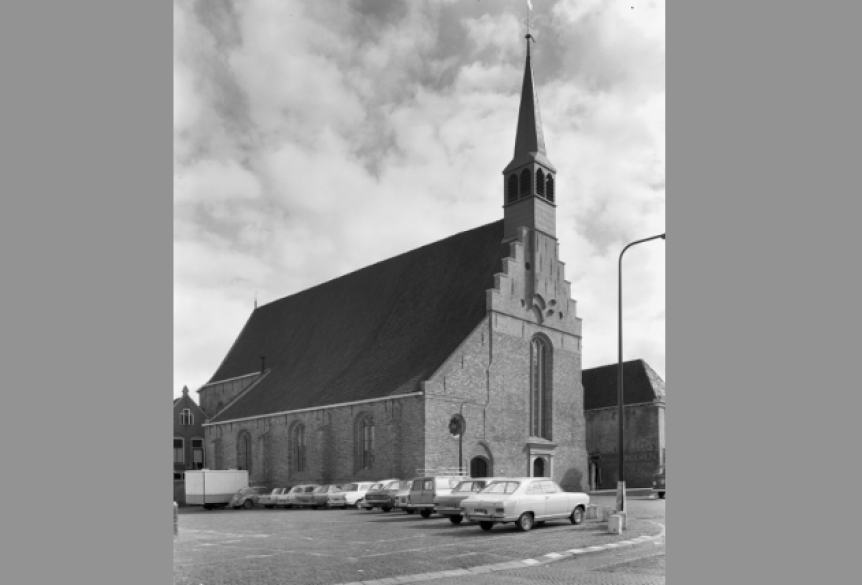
[525,501]
[349,495]
[289,499]
[269,500]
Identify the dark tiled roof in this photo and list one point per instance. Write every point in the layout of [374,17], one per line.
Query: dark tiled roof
[641,383]
[375,332]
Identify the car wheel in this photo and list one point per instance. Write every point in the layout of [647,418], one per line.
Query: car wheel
[426,513]
[208,507]
[525,522]
[456,519]
[248,504]
[269,507]
[577,516]
[386,509]
[486,525]
[314,507]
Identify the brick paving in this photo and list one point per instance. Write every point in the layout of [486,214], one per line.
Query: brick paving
[328,547]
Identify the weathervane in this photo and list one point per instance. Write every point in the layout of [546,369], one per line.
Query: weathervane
[529,35]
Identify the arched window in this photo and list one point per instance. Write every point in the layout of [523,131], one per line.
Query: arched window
[298,440]
[364,442]
[243,452]
[526,180]
[549,188]
[186,417]
[512,189]
[541,406]
[540,182]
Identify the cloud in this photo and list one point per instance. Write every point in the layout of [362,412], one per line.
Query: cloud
[314,138]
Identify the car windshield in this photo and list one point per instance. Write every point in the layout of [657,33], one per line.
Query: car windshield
[351,487]
[376,486]
[467,486]
[501,487]
[393,485]
[320,489]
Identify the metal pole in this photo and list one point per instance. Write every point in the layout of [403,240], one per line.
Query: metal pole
[621,478]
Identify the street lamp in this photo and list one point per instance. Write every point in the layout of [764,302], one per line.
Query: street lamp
[621,480]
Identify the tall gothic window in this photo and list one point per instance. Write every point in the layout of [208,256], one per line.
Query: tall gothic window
[512,190]
[540,182]
[299,447]
[549,188]
[526,180]
[365,442]
[540,388]
[243,451]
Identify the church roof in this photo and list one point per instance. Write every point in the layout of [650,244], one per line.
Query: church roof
[372,333]
[641,384]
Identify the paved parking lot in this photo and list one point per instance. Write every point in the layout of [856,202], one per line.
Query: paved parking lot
[278,546]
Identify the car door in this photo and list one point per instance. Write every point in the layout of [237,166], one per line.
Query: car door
[556,502]
[533,499]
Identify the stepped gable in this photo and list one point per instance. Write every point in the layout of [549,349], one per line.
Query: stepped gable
[372,333]
[600,385]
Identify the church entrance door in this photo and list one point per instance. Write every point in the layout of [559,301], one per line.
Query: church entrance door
[479,467]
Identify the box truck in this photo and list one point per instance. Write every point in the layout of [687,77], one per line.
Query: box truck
[213,488]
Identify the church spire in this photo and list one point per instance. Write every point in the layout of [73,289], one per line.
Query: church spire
[529,179]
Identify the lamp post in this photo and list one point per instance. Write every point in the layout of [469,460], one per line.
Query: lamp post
[621,480]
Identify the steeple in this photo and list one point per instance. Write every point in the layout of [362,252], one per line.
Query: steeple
[529,180]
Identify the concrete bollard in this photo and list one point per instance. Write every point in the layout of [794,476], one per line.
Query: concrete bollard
[615,524]
[592,512]
[176,521]
[606,512]
[625,517]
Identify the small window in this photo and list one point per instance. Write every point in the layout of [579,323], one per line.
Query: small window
[549,487]
[186,417]
[526,180]
[428,485]
[178,451]
[535,488]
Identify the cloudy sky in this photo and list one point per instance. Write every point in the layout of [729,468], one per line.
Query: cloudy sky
[315,137]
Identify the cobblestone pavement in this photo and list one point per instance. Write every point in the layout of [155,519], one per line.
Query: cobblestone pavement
[325,547]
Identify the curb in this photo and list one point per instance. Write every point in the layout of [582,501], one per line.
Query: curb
[542,560]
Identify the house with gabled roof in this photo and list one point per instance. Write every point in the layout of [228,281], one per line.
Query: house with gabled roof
[464,353]
[644,417]
[189,450]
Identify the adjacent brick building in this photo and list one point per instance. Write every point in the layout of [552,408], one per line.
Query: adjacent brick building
[360,378]
[189,449]
[644,437]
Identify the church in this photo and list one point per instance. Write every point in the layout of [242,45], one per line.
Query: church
[464,353]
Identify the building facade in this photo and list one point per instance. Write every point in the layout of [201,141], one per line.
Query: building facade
[462,353]
[189,439]
[644,412]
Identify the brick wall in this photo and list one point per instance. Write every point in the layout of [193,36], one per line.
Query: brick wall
[643,442]
[330,446]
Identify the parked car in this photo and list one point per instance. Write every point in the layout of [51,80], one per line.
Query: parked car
[403,495]
[450,505]
[246,497]
[658,486]
[348,495]
[525,501]
[269,500]
[382,495]
[305,498]
[425,489]
[321,494]
[290,499]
